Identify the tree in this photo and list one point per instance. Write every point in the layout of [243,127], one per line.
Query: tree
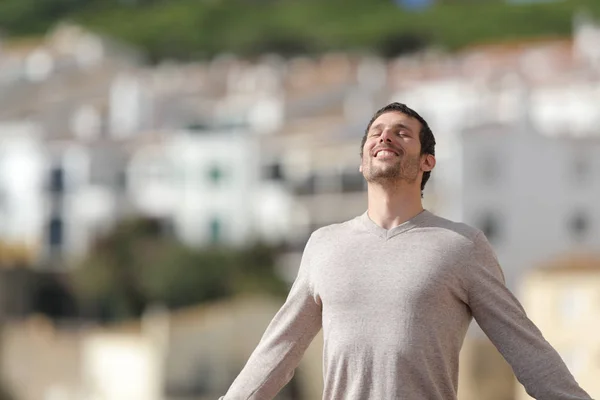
[138,264]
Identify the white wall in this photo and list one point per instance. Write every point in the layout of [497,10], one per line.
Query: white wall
[22,168]
[121,367]
[535,195]
[183,187]
[447,105]
[227,199]
[26,204]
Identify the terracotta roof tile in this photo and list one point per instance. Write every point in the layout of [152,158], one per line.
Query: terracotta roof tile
[572,263]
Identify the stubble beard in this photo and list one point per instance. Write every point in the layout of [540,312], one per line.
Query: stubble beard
[406,169]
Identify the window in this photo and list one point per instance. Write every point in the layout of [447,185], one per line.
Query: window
[579,225]
[2,199]
[215,174]
[57,179]
[490,225]
[55,233]
[121,180]
[216,230]
[198,126]
[353,182]
[307,186]
[273,172]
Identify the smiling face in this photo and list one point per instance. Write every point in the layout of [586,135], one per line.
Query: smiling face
[392,150]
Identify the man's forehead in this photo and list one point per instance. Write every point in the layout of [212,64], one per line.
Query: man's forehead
[393,117]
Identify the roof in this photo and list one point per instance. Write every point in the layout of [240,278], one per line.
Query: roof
[21,46]
[572,263]
[518,45]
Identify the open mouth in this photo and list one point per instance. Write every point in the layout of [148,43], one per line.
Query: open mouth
[384,153]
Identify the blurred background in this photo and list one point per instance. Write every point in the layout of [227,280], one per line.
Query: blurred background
[162,164]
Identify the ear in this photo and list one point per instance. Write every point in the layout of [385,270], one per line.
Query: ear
[360,168]
[427,162]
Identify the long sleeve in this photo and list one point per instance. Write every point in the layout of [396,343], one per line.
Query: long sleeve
[272,364]
[536,364]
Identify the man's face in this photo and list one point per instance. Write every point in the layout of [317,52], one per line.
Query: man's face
[392,150]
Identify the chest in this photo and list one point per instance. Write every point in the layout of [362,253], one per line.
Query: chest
[390,275]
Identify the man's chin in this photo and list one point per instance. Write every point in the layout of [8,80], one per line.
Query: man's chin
[383,176]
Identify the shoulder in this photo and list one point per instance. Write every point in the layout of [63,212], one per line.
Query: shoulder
[468,247]
[332,234]
[453,229]
[461,238]
[322,240]
[335,230]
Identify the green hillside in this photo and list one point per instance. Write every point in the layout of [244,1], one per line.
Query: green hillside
[193,29]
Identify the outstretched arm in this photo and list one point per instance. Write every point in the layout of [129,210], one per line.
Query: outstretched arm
[272,364]
[536,364]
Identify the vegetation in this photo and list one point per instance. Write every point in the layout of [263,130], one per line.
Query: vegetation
[196,29]
[137,265]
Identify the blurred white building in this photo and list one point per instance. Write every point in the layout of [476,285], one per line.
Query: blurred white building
[295,167]
[62,100]
[535,196]
[22,169]
[208,185]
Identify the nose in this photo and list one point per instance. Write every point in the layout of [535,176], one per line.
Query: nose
[386,136]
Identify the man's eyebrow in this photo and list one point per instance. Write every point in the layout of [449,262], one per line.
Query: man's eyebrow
[396,125]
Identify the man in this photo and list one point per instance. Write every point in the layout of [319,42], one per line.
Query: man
[395,290]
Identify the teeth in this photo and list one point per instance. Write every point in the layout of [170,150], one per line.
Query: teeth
[385,153]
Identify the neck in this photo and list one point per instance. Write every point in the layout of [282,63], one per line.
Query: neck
[392,205]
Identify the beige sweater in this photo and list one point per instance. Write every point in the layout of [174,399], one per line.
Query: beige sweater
[394,306]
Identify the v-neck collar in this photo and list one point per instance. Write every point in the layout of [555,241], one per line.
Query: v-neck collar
[386,234]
